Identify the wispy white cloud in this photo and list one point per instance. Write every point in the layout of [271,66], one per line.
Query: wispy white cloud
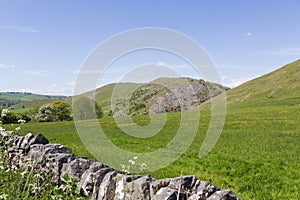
[72,83]
[292,51]
[5,66]
[37,73]
[248,34]
[235,81]
[161,63]
[86,71]
[21,29]
[181,66]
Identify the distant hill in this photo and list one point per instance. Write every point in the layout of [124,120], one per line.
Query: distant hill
[278,88]
[158,95]
[9,99]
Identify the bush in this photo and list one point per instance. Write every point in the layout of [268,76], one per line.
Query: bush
[46,113]
[25,117]
[62,110]
[7,117]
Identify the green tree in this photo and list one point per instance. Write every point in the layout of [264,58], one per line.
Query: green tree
[99,112]
[62,110]
[84,108]
[46,113]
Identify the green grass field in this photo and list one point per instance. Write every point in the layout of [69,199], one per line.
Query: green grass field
[257,155]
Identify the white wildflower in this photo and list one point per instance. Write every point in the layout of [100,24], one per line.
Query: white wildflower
[4,112]
[143,166]
[23,173]
[131,162]
[4,196]
[122,167]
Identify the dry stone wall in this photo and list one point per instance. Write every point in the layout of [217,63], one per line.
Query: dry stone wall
[100,181]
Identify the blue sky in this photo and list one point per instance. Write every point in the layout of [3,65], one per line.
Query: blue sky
[43,43]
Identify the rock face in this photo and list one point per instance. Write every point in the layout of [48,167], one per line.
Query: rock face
[100,181]
[166,95]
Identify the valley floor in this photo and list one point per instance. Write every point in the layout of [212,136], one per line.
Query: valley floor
[257,155]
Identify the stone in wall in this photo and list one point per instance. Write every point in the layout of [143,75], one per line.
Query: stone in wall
[100,181]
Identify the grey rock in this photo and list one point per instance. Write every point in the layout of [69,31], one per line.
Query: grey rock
[223,195]
[56,161]
[204,189]
[172,187]
[89,178]
[107,187]
[35,157]
[170,194]
[18,141]
[39,139]
[99,176]
[56,148]
[76,167]
[129,187]
[159,184]
[24,145]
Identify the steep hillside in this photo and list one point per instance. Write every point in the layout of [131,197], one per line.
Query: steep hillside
[281,87]
[103,95]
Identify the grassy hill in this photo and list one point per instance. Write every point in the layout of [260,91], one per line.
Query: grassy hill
[147,93]
[22,101]
[103,94]
[278,88]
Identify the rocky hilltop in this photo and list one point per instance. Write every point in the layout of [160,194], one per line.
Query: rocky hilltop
[166,95]
[100,181]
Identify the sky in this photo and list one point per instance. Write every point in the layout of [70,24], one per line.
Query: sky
[43,44]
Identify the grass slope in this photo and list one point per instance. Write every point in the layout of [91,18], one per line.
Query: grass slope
[281,87]
[103,94]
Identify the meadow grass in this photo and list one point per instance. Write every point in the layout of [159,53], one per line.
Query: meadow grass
[257,155]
